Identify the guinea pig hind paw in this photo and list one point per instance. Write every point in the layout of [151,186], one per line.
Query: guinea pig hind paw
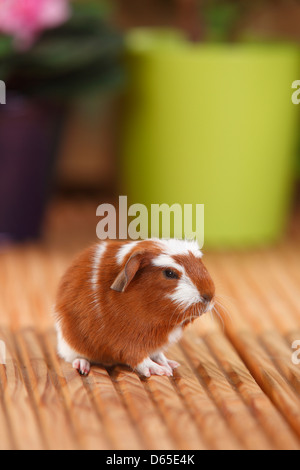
[82,365]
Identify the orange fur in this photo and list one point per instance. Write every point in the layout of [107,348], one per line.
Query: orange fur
[108,326]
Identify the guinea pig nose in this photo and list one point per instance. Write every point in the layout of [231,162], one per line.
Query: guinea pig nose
[207,298]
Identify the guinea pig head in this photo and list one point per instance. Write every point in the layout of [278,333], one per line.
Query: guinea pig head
[164,283]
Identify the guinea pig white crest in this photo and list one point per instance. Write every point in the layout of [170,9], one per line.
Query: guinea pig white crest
[169,247]
[174,246]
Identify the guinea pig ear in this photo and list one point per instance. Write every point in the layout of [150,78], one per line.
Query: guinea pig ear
[127,274]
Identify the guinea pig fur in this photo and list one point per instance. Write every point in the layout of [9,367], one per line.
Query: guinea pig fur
[124,302]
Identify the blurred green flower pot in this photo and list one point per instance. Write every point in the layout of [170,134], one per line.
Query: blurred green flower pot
[212,124]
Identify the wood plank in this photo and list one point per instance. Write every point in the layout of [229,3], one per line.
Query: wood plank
[269,379]
[149,423]
[259,275]
[48,404]
[283,269]
[92,429]
[211,424]
[237,415]
[249,345]
[233,392]
[60,386]
[23,425]
[281,354]
[7,441]
[110,409]
[177,418]
[262,277]
[266,414]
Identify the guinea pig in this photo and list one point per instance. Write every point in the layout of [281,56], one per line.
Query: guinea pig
[124,302]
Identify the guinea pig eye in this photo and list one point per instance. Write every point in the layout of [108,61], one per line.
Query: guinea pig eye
[170,274]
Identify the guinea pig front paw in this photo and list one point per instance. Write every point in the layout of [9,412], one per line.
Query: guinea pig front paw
[173,364]
[162,360]
[82,365]
[149,367]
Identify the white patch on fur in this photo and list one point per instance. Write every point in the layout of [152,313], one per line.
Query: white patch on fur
[185,293]
[174,246]
[63,349]
[100,249]
[124,250]
[175,335]
[166,261]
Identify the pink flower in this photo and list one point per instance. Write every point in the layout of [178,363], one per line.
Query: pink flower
[26,19]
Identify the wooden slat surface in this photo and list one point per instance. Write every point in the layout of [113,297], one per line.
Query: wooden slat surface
[237,387]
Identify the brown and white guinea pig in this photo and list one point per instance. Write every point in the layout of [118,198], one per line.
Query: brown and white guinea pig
[125,301]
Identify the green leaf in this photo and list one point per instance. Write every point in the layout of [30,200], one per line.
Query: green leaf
[220,18]
[95,8]
[79,84]
[82,55]
[71,52]
[6,47]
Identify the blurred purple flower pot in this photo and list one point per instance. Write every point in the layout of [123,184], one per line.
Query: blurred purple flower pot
[29,133]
